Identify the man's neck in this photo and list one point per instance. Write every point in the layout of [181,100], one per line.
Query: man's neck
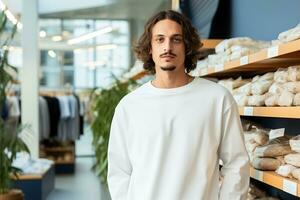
[168,80]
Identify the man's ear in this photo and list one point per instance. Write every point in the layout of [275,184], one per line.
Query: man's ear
[150,51]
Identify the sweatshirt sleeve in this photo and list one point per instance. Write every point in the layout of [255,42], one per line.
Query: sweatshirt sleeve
[119,166]
[232,152]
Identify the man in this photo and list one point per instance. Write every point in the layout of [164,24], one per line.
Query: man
[168,135]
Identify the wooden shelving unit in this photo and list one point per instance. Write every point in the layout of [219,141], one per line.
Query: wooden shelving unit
[266,60]
[63,156]
[269,59]
[291,186]
[277,112]
[36,186]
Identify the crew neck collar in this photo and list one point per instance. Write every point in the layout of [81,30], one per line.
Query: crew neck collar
[171,90]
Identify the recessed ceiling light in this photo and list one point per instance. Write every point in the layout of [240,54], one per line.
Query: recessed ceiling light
[43,34]
[52,54]
[57,38]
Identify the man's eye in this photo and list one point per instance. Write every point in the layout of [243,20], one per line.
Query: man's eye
[159,39]
[177,40]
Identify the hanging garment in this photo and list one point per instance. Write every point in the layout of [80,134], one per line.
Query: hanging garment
[54,114]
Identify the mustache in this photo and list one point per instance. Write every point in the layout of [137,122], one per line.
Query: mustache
[169,53]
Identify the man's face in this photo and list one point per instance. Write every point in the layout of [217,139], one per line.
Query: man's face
[167,46]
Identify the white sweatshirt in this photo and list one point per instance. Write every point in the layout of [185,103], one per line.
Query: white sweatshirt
[165,144]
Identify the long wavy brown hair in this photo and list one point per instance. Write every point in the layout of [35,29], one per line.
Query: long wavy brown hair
[190,35]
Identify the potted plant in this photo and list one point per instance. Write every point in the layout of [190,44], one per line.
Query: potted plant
[10,143]
[103,107]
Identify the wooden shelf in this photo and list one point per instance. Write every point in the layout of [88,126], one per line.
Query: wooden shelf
[291,186]
[265,60]
[140,75]
[64,162]
[59,149]
[210,43]
[277,112]
[30,176]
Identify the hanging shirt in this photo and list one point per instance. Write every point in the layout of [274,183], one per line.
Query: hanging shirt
[44,121]
[14,108]
[54,115]
[165,144]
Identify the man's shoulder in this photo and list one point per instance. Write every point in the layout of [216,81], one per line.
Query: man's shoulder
[212,87]
[133,95]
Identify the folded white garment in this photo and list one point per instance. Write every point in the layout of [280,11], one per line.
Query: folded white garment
[293,87]
[291,34]
[271,99]
[245,89]
[286,98]
[296,100]
[260,87]
[241,99]
[276,88]
[281,76]
[256,100]
[294,73]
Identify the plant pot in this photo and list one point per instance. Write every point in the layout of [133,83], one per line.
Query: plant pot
[13,194]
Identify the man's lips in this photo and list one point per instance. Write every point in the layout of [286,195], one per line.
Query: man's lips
[168,56]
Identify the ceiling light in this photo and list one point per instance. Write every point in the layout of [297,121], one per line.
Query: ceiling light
[90,35]
[56,38]
[43,34]
[66,33]
[11,17]
[52,54]
[2,6]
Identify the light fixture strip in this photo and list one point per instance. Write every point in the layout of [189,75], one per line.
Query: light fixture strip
[90,35]
[10,16]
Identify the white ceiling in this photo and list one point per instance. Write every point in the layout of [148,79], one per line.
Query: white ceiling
[112,9]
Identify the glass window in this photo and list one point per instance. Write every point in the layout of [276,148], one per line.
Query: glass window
[89,63]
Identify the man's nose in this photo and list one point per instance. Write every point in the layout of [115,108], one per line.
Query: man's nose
[167,45]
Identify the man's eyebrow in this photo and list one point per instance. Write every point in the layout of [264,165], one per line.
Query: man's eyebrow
[175,35]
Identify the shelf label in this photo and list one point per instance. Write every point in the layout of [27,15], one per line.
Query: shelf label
[289,187]
[258,175]
[248,111]
[244,60]
[203,72]
[276,133]
[219,67]
[273,51]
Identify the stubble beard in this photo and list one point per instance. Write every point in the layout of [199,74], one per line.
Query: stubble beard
[170,68]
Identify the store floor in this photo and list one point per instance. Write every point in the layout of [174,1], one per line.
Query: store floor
[84,184]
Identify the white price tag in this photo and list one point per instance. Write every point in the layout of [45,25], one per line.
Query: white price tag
[203,72]
[258,175]
[276,133]
[219,67]
[290,187]
[244,60]
[273,51]
[248,111]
